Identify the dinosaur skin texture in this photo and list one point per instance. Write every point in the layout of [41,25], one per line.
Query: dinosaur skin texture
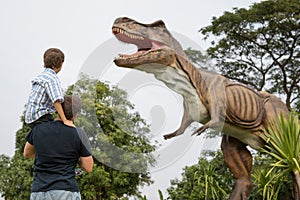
[209,98]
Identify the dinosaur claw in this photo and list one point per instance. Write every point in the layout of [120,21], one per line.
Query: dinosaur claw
[194,133]
[168,136]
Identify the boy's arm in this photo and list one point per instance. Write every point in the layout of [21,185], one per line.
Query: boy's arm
[29,151]
[61,113]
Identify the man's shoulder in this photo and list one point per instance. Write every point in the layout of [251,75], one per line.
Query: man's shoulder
[82,135]
[48,124]
[56,128]
[60,125]
[84,140]
[80,132]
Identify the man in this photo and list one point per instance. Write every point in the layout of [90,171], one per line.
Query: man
[57,149]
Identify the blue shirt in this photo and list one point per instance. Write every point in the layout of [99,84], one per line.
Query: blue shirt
[57,150]
[46,89]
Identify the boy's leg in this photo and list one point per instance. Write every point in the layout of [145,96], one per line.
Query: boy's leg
[44,118]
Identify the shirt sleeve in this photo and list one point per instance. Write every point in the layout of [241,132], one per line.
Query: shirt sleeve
[29,137]
[85,145]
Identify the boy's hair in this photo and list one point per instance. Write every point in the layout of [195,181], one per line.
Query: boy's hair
[71,106]
[53,58]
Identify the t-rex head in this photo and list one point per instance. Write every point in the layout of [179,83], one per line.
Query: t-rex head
[154,42]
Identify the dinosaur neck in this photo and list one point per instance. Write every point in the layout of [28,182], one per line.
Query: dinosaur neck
[182,80]
[195,76]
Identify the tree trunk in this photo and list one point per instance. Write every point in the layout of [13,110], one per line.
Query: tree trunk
[296,185]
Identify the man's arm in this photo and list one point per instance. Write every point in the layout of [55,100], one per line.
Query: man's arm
[86,163]
[29,151]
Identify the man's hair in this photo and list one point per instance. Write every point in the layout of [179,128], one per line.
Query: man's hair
[53,58]
[71,106]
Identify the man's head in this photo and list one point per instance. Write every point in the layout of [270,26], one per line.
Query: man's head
[71,106]
[54,58]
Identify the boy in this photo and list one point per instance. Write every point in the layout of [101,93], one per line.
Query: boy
[46,93]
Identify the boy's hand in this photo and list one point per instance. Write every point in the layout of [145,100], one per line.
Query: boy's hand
[69,123]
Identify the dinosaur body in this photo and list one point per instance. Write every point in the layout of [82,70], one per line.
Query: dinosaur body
[209,98]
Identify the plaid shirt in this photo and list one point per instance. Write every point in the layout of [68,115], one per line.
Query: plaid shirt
[46,89]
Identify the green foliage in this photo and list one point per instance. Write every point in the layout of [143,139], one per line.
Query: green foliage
[269,186]
[109,121]
[211,179]
[197,57]
[161,197]
[18,179]
[208,179]
[16,172]
[259,47]
[283,143]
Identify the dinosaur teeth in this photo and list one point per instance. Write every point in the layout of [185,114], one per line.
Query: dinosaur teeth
[117,31]
[137,54]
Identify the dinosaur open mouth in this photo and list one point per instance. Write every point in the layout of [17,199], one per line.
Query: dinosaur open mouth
[144,45]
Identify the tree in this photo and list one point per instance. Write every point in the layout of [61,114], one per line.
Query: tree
[198,58]
[260,47]
[110,121]
[16,172]
[121,132]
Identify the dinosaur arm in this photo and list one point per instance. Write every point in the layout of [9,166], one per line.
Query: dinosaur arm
[215,103]
[216,119]
[186,121]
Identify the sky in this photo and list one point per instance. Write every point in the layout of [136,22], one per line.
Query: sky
[82,29]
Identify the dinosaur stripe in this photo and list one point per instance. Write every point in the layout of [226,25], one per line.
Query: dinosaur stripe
[246,110]
[243,106]
[239,102]
[193,75]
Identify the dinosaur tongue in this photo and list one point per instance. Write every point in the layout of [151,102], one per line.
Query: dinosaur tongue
[143,47]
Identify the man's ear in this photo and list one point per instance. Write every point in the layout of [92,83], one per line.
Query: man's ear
[74,117]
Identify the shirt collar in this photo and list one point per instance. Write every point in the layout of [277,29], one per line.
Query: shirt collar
[50,71]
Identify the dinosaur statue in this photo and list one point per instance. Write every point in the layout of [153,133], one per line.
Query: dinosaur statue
[209,98]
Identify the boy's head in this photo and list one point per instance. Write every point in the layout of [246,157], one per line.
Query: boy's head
[71,106]
[53,58]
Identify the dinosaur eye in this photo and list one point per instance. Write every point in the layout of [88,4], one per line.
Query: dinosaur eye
[123,20]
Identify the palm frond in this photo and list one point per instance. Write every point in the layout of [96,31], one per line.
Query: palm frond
[283,142]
